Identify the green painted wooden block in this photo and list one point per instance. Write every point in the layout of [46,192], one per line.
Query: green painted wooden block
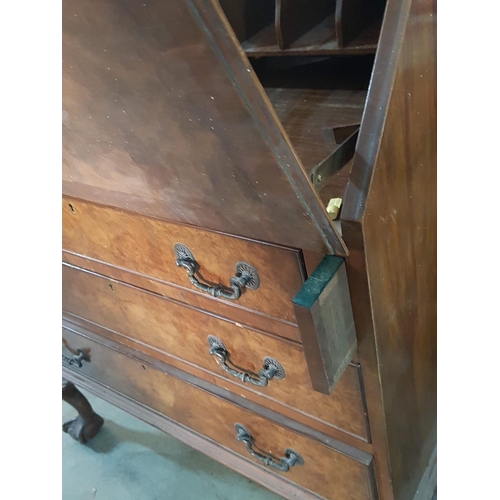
[326,325]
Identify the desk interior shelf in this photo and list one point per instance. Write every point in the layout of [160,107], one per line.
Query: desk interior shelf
[319,89]
[302,27]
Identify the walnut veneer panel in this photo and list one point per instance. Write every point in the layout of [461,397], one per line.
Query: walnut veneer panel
[330,474]
[240,315]
[182,332]
[145,245]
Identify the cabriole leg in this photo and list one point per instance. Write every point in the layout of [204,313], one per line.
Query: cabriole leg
[87,424]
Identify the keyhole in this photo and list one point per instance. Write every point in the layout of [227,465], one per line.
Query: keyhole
[143,367]
[71,208]
[112,288]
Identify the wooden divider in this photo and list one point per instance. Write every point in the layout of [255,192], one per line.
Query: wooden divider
[296,27]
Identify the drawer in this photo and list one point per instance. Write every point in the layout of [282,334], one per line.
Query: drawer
[183,332]
[325,471]
[146,246]
[201,301]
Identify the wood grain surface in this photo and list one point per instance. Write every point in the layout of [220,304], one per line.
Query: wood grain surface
[154,122]
[261,322]
[146,246]
[330,474]
[168,133]
[326,324]
[182,333]
[301,422]
[390,226]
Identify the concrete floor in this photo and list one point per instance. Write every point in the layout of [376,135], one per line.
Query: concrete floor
[130,460]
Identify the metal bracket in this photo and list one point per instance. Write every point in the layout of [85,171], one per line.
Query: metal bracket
[347,136]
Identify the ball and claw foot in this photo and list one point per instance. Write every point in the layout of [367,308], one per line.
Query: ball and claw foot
[87,424]
[82,430]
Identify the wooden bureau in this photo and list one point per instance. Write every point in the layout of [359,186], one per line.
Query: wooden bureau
[249,240]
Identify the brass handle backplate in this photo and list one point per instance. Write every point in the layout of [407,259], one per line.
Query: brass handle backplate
[271,369]
[282,464]
[245,276]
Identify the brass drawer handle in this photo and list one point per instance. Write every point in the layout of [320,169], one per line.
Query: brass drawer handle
[282,464]
[270,367]
[245,276]
[76,360]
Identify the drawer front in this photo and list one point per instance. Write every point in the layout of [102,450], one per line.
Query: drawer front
[326,472]
[146,246]
[198,300]
[182,332]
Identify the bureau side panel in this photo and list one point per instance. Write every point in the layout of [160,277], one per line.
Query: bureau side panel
[392,240]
